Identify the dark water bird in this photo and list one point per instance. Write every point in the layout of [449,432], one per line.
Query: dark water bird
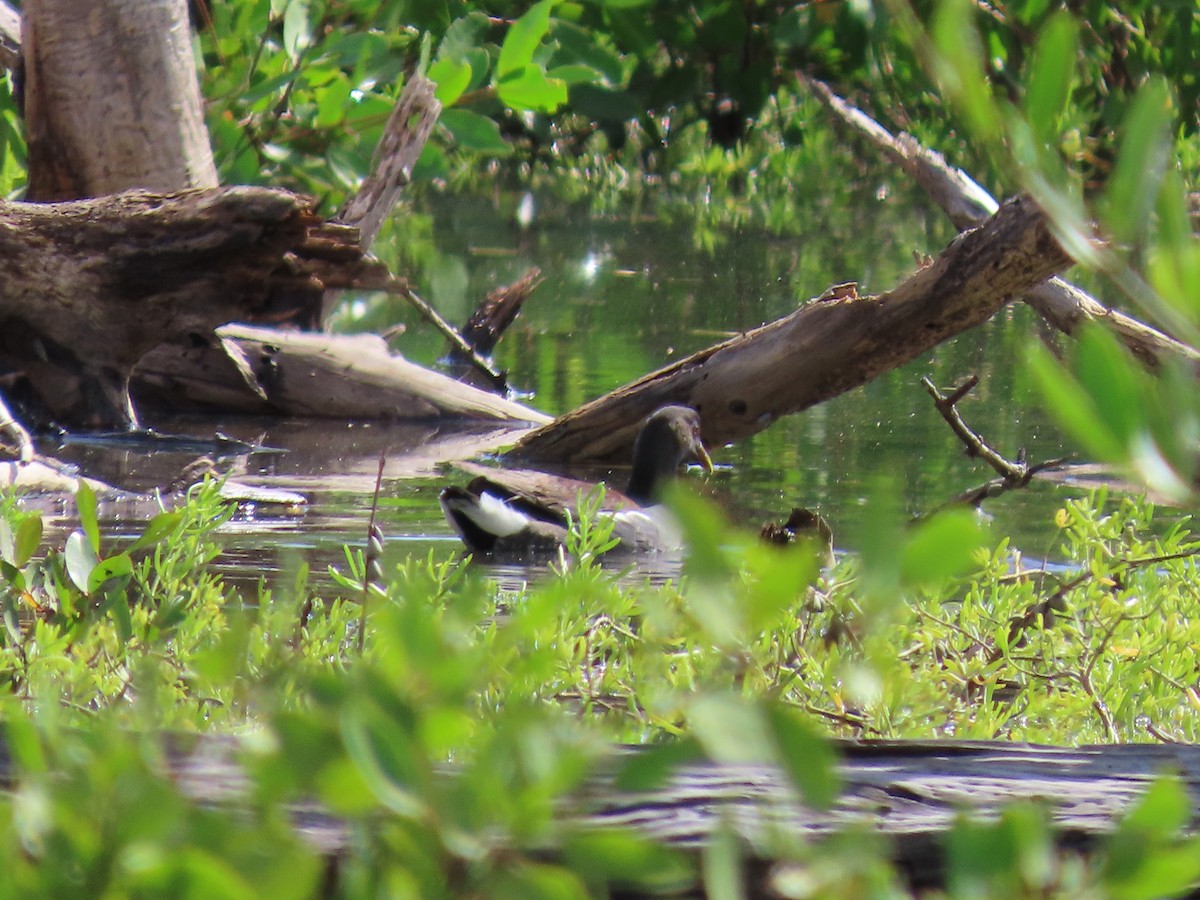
[803,525]
[507,512]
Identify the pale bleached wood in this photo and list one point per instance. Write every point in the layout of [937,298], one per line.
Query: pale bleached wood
[10,36]
[355,376]
[112,100]
[826,347]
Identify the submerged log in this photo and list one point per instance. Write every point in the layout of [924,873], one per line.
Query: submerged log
[834,343]
[88,287]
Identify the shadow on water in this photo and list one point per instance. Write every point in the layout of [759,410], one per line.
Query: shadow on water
[621,297]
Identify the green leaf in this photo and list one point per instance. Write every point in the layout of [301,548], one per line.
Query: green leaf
[942,547]
[1050,74]
[28,537]
[463,36]
[1072,406]
[475,132]
[1143,155]
[574,74]
[806,755]
[161,527]
[80,558]
[296,32]
[528,88]
[119,566]
[523,38]
[650,767]
[723,865]
[1112,379]
[730,729]
[452,78]
[85,505]
[116,604]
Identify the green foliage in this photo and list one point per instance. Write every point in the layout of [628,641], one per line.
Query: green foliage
[449,745]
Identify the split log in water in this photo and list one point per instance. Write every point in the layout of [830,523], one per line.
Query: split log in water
[830,345]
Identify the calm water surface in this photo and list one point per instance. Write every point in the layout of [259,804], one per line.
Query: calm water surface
[623,295]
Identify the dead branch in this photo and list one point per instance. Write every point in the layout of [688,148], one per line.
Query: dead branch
[828,346]
[1060,303]
[404,136]
[1013,475]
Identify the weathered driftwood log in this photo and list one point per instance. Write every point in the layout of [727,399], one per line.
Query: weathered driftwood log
[112,102]
[88,287]
[273,371]
[910,792]
[828,346]
[1063,305]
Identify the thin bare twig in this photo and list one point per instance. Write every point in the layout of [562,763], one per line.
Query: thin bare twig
[1013,474]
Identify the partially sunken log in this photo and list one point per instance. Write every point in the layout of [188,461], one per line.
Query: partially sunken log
[826,347]
[88,287]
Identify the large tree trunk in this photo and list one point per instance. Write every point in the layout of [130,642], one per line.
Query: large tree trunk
[112,101]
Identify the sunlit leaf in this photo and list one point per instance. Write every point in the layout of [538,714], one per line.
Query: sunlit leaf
[85,505]
[1073,407]
[80,558]
[942,547]
[451,77]
[1050,75]
[161,527]
[522,39]
[1141,158]
[723,865]
[529,88]
[296,32]
[28,537]
[806,755]
[117,566]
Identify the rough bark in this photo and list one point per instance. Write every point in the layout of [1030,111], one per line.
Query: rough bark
[828,346]
[88,287]
[1063,305]
[112,101]
[404,137]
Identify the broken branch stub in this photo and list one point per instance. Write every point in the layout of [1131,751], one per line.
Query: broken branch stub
[822,349]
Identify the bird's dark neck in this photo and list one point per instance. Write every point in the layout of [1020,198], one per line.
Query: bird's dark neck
[655,460]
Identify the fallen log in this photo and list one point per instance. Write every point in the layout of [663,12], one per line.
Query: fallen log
[912,793]
[1060,303]
[323,375]
[87,287]
[834,343]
